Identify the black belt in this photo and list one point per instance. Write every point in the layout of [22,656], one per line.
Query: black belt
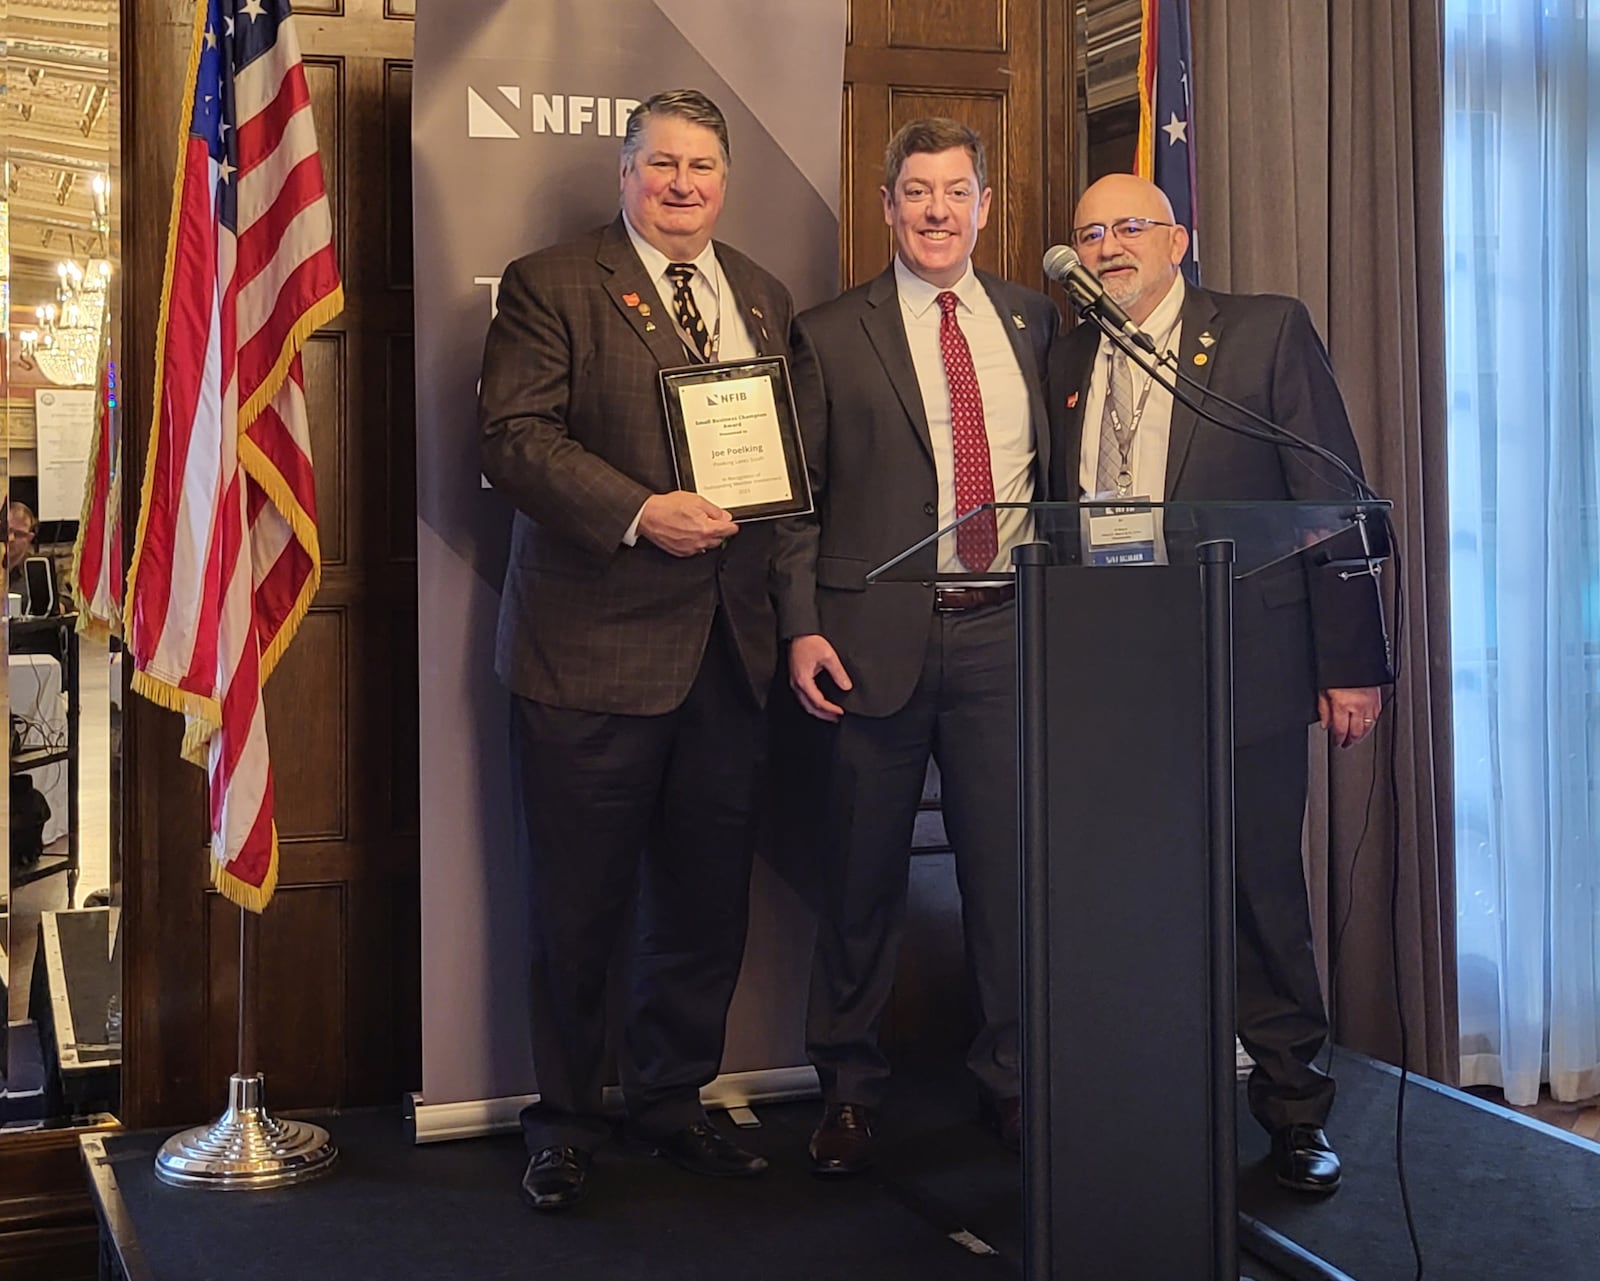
[950,599]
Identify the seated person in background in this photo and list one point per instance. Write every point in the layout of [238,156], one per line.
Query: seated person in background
[22,526]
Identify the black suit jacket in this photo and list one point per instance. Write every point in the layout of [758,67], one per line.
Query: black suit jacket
[571,429]
[870,457]
[1298,628]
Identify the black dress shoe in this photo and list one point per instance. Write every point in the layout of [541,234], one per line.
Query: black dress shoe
[1302,1159]
[1005,1119]
[701,1149]
[555,1178]
[842,1143]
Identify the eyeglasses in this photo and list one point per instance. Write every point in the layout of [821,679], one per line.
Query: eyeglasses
[1125,228]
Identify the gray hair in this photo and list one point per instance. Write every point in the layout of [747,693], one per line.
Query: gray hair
[929,136]
[686,104]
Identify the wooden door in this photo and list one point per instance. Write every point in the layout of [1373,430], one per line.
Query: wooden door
[336,988]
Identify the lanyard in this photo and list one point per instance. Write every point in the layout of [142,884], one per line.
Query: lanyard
[1124,435]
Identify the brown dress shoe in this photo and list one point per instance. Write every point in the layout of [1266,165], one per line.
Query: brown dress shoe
[842,1143]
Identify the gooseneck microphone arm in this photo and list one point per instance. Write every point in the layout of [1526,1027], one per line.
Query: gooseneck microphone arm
[1268,433]
[1063,265]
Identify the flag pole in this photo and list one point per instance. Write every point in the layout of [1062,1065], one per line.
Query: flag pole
[246,1147]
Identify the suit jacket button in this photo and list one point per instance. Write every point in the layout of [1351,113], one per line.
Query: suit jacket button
[928,509]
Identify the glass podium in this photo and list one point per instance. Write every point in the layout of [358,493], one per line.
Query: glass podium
[1126,701]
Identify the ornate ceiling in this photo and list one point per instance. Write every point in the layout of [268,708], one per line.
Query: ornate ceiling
[58,132]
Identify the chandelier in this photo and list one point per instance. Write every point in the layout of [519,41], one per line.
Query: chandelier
[66,344]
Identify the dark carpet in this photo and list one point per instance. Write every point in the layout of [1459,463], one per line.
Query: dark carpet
[1496,1199]
[452,1210]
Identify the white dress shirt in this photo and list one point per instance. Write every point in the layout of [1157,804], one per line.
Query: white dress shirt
[710,287]
[1007,412]
[1147,459]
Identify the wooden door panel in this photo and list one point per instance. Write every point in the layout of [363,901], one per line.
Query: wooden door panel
[336,990]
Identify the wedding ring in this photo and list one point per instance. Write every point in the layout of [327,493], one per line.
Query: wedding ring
[1367,720]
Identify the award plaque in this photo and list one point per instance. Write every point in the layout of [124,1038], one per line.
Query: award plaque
[736,438]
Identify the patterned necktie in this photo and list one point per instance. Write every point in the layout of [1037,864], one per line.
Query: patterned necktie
[977,541]
[1118,407]
[686,309]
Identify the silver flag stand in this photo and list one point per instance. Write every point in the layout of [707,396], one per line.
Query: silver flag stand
[246,1147]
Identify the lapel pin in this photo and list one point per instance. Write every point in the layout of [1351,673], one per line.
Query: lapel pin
[649,326]
[1017,320]
[631,299]
[756,312]
[1200,358]
[1206,339]
[1072,401]
[644,309]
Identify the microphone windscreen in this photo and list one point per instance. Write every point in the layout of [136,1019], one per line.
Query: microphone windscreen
[1059,260]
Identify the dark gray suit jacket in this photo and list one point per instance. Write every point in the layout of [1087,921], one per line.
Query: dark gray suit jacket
[1298,628]
[872,474]
[571,429]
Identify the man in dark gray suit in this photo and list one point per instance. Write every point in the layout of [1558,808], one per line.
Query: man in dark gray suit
[919,395]
[638,638]
[1308,644]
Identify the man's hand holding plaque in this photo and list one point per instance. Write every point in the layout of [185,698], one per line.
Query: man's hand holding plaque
[684,524]
[735,438]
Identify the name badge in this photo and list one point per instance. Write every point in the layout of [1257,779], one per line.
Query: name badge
[1119,535]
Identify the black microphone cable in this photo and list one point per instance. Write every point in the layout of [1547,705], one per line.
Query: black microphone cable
[1273,433]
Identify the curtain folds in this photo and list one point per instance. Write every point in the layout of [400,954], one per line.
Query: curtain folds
[1523,289]
[1320,166]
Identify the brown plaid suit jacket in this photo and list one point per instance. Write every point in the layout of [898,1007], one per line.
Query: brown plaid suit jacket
[571,430]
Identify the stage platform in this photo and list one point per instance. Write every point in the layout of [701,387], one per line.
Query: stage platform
[1497,1198]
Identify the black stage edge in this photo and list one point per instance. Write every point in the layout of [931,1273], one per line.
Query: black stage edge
[1498,1198]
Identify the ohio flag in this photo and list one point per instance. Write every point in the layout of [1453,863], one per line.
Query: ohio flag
[226,560]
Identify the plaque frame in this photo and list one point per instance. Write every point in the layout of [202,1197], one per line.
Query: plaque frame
[674,382]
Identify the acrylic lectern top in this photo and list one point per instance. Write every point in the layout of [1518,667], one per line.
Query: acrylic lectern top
[1125,532]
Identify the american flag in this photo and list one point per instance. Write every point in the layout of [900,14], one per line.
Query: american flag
[226,560]
[97,554]
[1166,114]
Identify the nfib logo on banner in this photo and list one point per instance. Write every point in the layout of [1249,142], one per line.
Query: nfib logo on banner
[508,113]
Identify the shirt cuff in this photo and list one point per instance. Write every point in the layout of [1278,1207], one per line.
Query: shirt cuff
[631,538]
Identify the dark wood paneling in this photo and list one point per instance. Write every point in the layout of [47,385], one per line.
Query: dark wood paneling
[405,813]
[947,24]
[323,361]
[400,387]
[47,1222]
[325,81]
[336,980]
[300,998]
[397,147]
[307,715]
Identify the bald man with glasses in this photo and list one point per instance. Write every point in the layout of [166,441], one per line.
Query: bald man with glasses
[1308,645]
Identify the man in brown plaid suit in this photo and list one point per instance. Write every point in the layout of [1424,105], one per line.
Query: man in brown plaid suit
[638,639]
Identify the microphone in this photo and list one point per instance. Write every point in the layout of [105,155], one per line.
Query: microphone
[1062,265]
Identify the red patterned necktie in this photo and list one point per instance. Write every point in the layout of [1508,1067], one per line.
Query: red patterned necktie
[977,541]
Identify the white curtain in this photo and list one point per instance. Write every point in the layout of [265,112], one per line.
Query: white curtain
[1522,291]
